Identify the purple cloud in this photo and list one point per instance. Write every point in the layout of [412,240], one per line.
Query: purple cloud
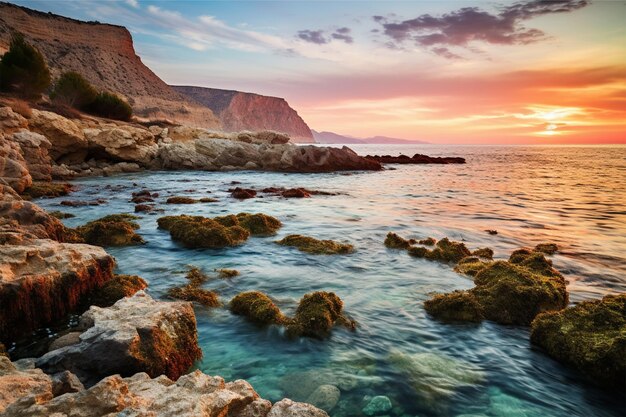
[318,37]
[470,24]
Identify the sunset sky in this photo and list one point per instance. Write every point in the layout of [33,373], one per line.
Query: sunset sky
[439,71]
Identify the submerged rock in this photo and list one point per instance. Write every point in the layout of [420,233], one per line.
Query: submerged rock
[378,405]
[61,215]
[196,294]
[257,307]
[136,334]
[315,246]
[227,273]
[547,248]
[115,289]
[296,193]
[111,230]
[416,159]
[317,314]
[591,337]
[180,200]
[243,193]
[445,251]
[41,281]
[485,253]
[394,241]
[202,232]
[40,189]
[455,306]
[324,397]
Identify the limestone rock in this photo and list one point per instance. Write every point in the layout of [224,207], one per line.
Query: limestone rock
[288,408]
[11,121]
[42,281]
[324,397]
[130,144]
[136,334]
[35,148]
[13,167]
[15,384]
[68,141]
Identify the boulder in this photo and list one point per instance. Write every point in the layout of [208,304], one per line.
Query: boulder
[11,121]
[122,143]
[256,307]
[41,281]
[289,408]
[445,251]
[16,383]
[68,140]
[325,397]
[315,246]
[35,148]
[13,166]
[378,405]
[136,334]
[111,230]
[317,313]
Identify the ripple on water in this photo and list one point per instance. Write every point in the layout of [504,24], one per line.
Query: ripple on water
[528,194]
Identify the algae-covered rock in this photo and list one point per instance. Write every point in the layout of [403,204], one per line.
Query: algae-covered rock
[61,215]
[591,337]
[455,306]
[547,248]
[429,241]
[315,246]
[395,241]
[378,405]
[256,307]
[196,276]
[513,294]
[259,224]
[470,265]
[317,314]
[112,230]
[535,261]
[196,294]
[118,287]
[485,253]
[243,193]
[227,273]
[180,200]
[445,251]
[46,189]
[202,232]
[208,200]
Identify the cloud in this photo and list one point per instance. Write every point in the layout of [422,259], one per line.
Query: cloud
[133,3]
[313,36]
[318,37]
[446,53]
[470,24]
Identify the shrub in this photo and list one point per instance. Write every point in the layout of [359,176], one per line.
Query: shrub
[73,90]
[22,108]
[110,106]
[23,69]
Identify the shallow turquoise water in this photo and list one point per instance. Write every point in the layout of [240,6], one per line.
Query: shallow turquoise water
[573,196]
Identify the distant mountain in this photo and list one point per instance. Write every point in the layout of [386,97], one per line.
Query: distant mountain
[330,137]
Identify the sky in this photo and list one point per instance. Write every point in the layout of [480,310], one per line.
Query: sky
[511,72]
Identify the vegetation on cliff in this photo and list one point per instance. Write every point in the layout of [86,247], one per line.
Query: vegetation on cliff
[23,69]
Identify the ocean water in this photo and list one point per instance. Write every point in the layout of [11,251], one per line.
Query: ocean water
[573,196]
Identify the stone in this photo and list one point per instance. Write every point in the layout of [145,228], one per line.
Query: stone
[11,121]
[68,141]
[289,408]
[15,384]
[315,246]
[35,148]
[111,230]
[256,307]
[67,339]
[325,397]
[378,405]
[64,382]
[394,241]
[445,250]
[13,166]
[42,281]
[317,313]
[136,334]
[127,143]
[115,289]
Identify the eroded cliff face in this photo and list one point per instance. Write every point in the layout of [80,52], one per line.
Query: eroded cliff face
[247,111]
[104,55]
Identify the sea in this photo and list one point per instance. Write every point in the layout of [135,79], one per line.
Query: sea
[574,196]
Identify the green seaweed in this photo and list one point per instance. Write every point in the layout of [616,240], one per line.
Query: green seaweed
[111,230]
[257,307]
[202,232]
[429,241]
[315,246]
[485,253]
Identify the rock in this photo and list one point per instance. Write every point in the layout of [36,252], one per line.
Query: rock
[325,397]
[41,281]
[67,339]
[40,189]
[111,230]
[394,241]
[317,314]
[15,384]
[180,200]
[455,306]
[143,208]
[378,405]
[227,273]
[445,251]
[35,148]
[491,232]
[136,334]
[65,382]
[315,246]
[485,253]
[256,307]
[76,203]
[115,289]
[296,193]
[13,166]
[258,224]
[243,193]
[68,141]
[429,241]
[195,294]
[61,215]
[470,265]
[288,408]
[547,248]
[11,121]
[415,159]
[123,143]
[590,337]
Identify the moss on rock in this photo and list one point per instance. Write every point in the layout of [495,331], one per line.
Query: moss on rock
[257,307]
[445,251]
[208,200]
[429,241]
[227,273]
[470,265]
[46,189]
[315,246]
[196,294]
[394,241]
[317,314]
[485,253]
[513,294]
[590,337]
[547,248]
[118,287]
[202,232]
[112,230]
[196,277]
[61,215]
[535,261]
[455,306]
[259,224]
[180,200]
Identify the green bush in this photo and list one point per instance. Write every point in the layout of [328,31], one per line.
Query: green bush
[23,69]
[111,106]
[73,90]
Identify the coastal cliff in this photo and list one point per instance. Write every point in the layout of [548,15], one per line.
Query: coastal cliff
[104,54]
[248,111]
